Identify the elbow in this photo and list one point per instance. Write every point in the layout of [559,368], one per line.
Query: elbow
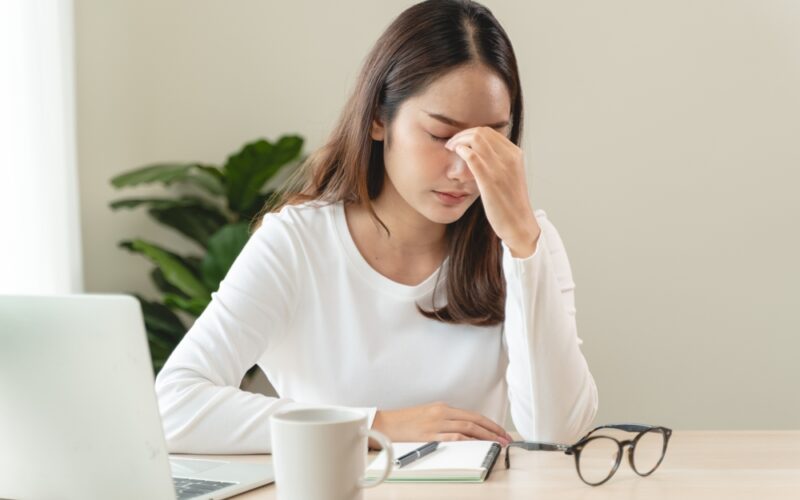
[579,421]
[177,409]
[564,427]
[587,412]
[171,419]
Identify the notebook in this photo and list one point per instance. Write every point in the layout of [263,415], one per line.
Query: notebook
[453,462]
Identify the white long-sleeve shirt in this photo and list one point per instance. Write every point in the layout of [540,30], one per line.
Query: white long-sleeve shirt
[328,329]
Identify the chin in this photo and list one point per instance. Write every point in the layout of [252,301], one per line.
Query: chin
[444,215]
[442,219]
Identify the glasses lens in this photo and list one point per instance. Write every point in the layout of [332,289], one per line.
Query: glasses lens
[648,451]
[598,458]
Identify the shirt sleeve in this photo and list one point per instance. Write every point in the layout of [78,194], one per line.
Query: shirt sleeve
[202,408]
[552,393]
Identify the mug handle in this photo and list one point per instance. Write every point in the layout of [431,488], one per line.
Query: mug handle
[386,445]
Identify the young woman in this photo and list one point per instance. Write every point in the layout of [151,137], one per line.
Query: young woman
[410,278]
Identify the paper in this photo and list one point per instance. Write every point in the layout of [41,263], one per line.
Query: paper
[453,461]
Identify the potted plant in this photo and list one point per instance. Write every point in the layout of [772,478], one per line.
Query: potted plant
[216,216]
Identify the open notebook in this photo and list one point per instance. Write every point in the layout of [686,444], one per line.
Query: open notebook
[453,461]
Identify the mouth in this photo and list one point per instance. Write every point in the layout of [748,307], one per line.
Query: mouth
[451,198]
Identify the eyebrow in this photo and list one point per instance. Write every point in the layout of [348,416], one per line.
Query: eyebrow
[455,123]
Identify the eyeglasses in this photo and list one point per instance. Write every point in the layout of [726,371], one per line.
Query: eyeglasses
[597,456]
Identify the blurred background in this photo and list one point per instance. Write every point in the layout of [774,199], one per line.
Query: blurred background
[662,139]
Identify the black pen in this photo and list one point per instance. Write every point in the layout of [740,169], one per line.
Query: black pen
[420,452]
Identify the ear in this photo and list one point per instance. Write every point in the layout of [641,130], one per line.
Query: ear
[378,132]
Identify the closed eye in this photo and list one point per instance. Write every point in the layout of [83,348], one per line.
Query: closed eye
[440,139]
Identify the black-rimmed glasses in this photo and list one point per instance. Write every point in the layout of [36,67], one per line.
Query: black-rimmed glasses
[598,455]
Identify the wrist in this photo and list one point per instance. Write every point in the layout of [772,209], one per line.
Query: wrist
[524,245]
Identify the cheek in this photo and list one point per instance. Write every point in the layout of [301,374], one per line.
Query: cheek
[417,156]
[414,172]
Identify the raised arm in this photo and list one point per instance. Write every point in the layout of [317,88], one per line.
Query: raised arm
[553,395]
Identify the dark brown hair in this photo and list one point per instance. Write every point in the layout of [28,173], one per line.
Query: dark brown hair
[426,41]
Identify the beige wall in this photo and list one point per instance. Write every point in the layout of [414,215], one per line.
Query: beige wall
[662,139]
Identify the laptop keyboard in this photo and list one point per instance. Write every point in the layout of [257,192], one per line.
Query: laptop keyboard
[190,488]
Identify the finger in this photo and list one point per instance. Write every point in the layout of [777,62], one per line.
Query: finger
[459,414]
[475,162]
[452,436]
[478,156]
[466,133]
[472,430]
[488,142]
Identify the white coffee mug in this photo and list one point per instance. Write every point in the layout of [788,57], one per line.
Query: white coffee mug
[321,454]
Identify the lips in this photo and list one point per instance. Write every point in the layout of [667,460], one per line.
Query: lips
[451,198]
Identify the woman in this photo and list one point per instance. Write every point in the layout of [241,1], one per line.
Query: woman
[410,277]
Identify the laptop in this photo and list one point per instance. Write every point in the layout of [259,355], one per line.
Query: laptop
[78,411]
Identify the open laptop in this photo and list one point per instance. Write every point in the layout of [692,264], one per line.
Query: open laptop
[78,411]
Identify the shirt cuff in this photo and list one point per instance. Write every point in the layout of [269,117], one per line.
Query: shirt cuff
[519,264]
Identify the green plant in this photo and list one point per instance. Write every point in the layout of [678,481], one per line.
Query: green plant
[216,216]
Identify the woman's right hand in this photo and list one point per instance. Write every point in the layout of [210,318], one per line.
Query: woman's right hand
[437,422]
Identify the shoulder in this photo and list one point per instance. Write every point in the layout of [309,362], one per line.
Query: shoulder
[299,217]
[304,212]
[296,226]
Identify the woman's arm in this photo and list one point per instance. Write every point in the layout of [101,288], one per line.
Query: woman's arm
[553,395]
[202,408]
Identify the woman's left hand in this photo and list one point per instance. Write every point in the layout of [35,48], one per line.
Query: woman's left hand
[498,166]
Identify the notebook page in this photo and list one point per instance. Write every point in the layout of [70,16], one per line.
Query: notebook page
[450,455]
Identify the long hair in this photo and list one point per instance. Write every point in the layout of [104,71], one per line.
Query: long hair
[426,41]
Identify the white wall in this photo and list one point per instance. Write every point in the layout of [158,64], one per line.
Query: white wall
[661,139]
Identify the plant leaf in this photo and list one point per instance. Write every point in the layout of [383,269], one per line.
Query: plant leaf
[223,248]
[212,183]
[158,364]
[214,172]
[260,202]
[159,347]
[168,173]
[160,320]
[175,272]
[164,331]
[247,171]
[165,173]
[192,306]
[135,202]
[194,263]
[195,219]
[157,275]
[191,262]
[192,216]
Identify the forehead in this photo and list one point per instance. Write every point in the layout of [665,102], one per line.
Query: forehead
[473,95]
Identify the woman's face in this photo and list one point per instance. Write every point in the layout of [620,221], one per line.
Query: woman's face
[419,170]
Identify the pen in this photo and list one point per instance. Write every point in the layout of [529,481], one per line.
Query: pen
[420,452]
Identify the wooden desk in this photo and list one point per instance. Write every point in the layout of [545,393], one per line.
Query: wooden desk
[699,464]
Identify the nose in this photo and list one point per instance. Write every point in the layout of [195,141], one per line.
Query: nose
[458,170]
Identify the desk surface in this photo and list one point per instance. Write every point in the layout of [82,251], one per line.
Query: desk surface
[699,464]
